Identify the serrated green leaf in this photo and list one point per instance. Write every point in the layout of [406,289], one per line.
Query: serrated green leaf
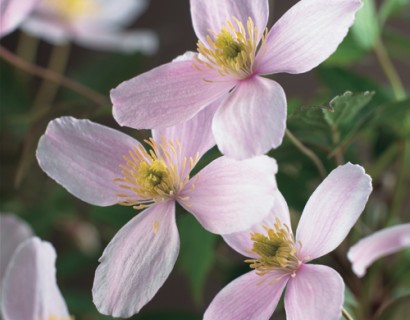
[345,108]
[366,28]
[391,7]
[196,253]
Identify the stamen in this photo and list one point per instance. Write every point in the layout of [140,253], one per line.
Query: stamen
[232,51]
[71,9]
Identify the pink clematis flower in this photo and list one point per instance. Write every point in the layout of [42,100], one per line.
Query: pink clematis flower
[234,50]
[377,245]
[30,289]
[12,13]
[103,167]
[96,24]
[313,291]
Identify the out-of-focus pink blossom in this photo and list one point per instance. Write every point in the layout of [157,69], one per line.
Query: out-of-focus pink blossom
[30,289]
[13,12]
[97,24]
[103,167]
[312,291]
[377,245]
[234,50]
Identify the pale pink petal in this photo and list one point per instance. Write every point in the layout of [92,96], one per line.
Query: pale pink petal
[252,119]
[316,292]
[377,245]
[84,157]
[167,95]
[54,31]
[13,231]
[12,13]
[30,289]
[137,262]
[248,297]
[194,136]
[116,40]
[212,15]
[241,241]
[229,195]
[332,210]
[306,35]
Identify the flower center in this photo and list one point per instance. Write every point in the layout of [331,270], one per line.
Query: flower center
[73,8]
[156,175]
[54,317]
[276,250]
[231,51]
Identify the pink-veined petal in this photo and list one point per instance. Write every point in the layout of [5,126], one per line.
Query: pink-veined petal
[212,15]
[241,241]
[194,136]
[377,245]
[13,232]
[137,262]
[332,210]
[317,292]
[252,119]
[167,95]
[247,298]
[230,195]
[12,13]
[306,35]
[84,157]
[30,289]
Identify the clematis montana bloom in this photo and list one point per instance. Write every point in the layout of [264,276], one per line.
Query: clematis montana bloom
[377,245]
[234,50]
[313,291]
[103,166]
[12,13]
[96,24]
[30,289]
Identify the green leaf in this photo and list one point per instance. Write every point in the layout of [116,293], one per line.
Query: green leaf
[366,27]
[391,7]
[196,254]
[348,52]
[345,108]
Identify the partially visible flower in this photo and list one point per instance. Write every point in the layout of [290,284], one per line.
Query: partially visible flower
[30,289]
[378,245]
[95,24]
[12,13]
[313,291]
[13,231]
[103,167]
[234,50]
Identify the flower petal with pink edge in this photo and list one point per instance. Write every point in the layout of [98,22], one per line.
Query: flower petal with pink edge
[332,210]
[137,262]
[30,289]
[377,245]
[12,13]
[306,35]
[241,241]
[247,297]
[167,95]
[229,195]
[13,232]
[212,15]
[316,292]
[84,157]
[252,119]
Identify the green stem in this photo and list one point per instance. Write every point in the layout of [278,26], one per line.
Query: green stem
[309,153]
[27,47]
[346,314]
[41,72]
[389,70]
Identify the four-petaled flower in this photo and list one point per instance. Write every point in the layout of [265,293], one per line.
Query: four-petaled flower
[103,166]
[313,291]
[234,50]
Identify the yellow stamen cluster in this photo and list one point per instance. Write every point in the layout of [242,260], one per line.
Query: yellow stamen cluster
[73,8]
[154,176]
[231,51]
[54,317]
[276,250]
